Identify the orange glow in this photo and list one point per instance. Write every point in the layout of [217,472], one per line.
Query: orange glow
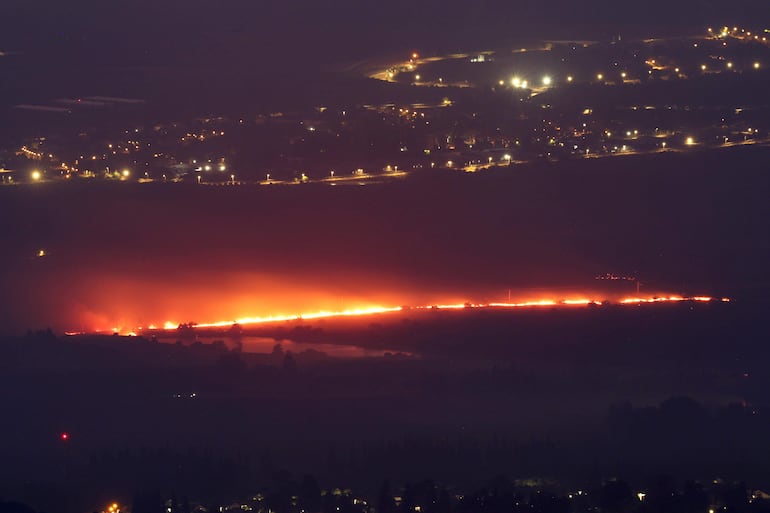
[217,303]
[280,318]
[525,304]
[578,301]
[377,310]
[638,300]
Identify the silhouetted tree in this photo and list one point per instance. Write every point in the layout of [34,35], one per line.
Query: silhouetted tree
[615,497]
[736,498]
[15,507]
[694,498]
[309,494]
[289,363]
[385,502]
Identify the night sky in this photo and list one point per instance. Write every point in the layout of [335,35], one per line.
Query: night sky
[91,32]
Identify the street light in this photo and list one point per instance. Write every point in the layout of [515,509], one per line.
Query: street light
[36,175]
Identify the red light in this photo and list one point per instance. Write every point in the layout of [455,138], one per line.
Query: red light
[64,436]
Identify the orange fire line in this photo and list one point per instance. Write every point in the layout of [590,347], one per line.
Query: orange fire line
[376,310]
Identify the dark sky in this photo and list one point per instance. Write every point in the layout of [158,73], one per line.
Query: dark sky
[97,29]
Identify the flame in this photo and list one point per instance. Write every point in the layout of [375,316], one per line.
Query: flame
[525,304]
[279,318]
[638,300]
[377,310]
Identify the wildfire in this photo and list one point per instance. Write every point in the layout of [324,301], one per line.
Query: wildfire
[279,318]
[377,310]
[638,300]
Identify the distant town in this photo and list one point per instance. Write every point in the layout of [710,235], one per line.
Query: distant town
[560,100]
[287,494]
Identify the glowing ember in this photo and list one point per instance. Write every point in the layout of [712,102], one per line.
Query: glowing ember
[637,300]
[376,310]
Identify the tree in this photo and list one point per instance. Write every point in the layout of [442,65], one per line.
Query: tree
[385,502]
[615,497]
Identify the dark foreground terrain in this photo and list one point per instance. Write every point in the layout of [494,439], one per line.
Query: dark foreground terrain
[572,395]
